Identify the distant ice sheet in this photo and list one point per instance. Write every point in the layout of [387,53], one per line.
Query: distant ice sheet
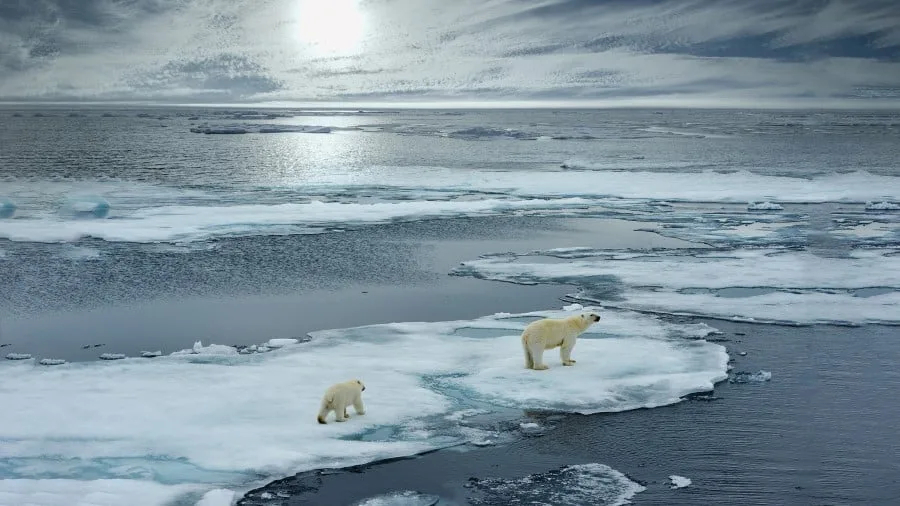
[265,128]
[766,285]
[192,223]
[204,420]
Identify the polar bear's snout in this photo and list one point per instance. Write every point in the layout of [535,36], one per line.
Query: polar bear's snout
[596,317]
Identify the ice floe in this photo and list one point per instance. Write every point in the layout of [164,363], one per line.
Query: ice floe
[7,208]
[207,418]
[679,481]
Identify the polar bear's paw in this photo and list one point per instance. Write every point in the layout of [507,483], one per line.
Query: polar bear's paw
[541,367]
[568,362]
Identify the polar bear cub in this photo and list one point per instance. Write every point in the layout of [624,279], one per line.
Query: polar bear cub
[548,333]
[338,397]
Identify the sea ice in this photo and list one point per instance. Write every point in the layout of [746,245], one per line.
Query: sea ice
[18,356]
[278,343]
[52,361]
[92,207]
[679,481]
[100,492]
[112,356]
[151,354]
[232,420]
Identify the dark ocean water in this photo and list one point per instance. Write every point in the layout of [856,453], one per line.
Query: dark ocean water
[124,231]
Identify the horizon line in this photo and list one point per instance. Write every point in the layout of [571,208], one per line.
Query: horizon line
[670,103]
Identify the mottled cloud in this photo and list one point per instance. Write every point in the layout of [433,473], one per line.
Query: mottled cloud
[744,52]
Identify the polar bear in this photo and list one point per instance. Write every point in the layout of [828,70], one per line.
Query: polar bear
[338,397]
[548,333]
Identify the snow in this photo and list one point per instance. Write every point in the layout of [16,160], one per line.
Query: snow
[278,343]
[204,420]
[102,492]
[679,481]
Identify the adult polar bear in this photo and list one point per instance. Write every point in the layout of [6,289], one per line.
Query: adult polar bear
[548,333]
[338,397]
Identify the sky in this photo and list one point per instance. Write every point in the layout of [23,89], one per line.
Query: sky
[641,52]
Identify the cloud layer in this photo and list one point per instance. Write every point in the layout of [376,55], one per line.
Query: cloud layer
[665,51]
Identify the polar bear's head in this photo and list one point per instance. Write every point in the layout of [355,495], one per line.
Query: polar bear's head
[590,318]
[360,383]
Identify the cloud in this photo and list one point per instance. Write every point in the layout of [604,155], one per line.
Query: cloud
[745,51]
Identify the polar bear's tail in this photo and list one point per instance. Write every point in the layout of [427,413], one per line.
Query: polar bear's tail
[324,409]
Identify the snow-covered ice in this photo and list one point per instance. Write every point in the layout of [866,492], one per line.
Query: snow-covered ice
[264,128]
[203,419]
[18,356]
[679,481]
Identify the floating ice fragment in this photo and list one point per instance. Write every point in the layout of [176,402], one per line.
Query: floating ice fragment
[594,484]
[679,481]
[764,206]
[530,425]
[87,207]
[151,354]
[7,208]
[52,361]
[404,498]
[750,377]
[112,356]
[213,349]
[573,307]
[882,206]
[18,356]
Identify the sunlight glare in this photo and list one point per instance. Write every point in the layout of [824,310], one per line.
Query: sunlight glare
[330,27]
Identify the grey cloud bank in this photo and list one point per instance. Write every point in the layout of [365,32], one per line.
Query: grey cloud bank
[764,53]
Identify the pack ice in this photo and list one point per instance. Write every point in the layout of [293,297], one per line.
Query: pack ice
[191,426]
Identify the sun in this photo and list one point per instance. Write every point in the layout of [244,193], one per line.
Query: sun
[330,27]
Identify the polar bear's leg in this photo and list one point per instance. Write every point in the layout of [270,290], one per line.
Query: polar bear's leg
[565,351]
[340,412]
[359,406]
[537,355]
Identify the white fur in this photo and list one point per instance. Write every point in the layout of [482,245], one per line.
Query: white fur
[338,397]
[549,333]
